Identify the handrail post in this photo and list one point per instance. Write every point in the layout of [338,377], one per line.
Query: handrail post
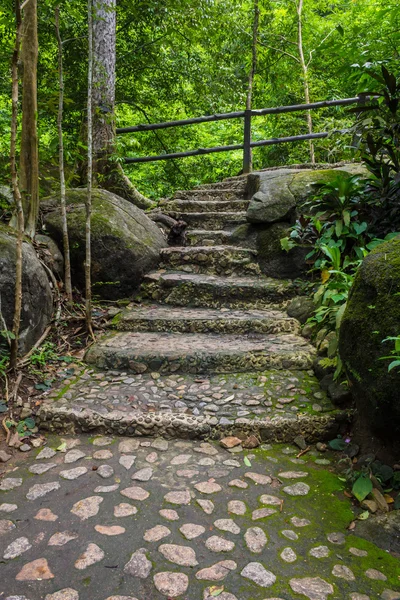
[246,142]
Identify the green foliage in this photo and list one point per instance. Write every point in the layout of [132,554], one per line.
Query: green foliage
[395,353]
[44,354]
[362,487]
[24,428]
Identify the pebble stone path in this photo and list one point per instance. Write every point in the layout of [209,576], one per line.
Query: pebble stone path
[134,519]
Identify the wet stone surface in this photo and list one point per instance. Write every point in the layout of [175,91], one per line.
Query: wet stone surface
[174,526]
[227,398]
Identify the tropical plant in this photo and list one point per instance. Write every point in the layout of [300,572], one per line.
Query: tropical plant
[394,353]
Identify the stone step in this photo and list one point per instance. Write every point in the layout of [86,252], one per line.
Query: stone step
[234,183]
[275,405]
[190,289]
[214,260]
[199,353]
[209,194]
[210,220]
[203,320]
[206,237]
[204,205]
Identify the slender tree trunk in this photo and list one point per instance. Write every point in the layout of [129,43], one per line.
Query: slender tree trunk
[299,8]
[108,173]
[67,261]
[88,257]
[16,192]
[253,67]
[29,158]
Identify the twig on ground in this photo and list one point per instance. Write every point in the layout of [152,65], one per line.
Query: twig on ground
[303,451]
[8,432]
[25,359]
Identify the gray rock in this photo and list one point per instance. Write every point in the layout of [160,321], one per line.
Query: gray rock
[139,565]
[105,471]
[50,253]
[4,457]
[339,393]
[171,584]
[257,573]
[314,588]
[301,308]
[37,306]
[125,242]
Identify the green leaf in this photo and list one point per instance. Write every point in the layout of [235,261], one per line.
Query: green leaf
[337,444]
[62,447]
[396,504]
[393,364]
[3,408]
[362,487]
[247,462]
[30,422]
[363,516]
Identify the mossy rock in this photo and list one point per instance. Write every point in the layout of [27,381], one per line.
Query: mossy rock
[373,314]
[37,299]
[276,193]
[125,243]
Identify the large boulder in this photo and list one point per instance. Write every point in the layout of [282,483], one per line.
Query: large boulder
[37,299]
[125,243]
[373,314]
[274,194]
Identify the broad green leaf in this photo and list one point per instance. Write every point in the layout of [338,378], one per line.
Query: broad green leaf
[337,444]
[247,462]
[30,422]
[62,447]
[362,487]
[363,516]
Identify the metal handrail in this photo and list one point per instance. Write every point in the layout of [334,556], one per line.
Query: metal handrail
[247,143]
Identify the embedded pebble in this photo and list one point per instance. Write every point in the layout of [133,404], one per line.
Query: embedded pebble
[187,473]
[135,493]
[314,588]
[87,507]
[92,555]
[41,468]
[217,572]
[288,555]
[160,444]
[35,571]
[289,534]
[152,457]
[208,487]
[206,505]
[128,446]
[65,594]
[261,513]
[238,483]
[16,548]
[102,441]
[374,574]
[46,453]
[255,539]
[169,514]
[357,552]
[298,489]
[127,461]
[300,522]
[270,500]
[106,489]
[293,474]
[124,510]
[42,489]
[73,473]
[102,454]
[258,478]
[45,514]
[336,538]
[343,572]
[143,475]
[171,584]
[191,531]
[110,529]
[257,573]
[236,507]
[157,533]
[178,497]
[138,565]
[219,544]
[9,483]
[105,471]
[183,556]
[73,456]
[61,538]
[227,525]
[320,552]
[5,507]
[181,459]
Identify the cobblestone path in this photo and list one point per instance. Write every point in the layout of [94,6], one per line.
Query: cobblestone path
[206,349]
[128,518]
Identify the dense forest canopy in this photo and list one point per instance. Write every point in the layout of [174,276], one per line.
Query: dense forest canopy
[178,60]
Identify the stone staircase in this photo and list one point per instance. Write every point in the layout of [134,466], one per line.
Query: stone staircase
[207,348]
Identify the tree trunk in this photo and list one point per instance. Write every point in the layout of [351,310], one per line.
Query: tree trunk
[253,67]
[29,158]
[304,67]
[16,192]
[107,172]
[88,256]
[67,261]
